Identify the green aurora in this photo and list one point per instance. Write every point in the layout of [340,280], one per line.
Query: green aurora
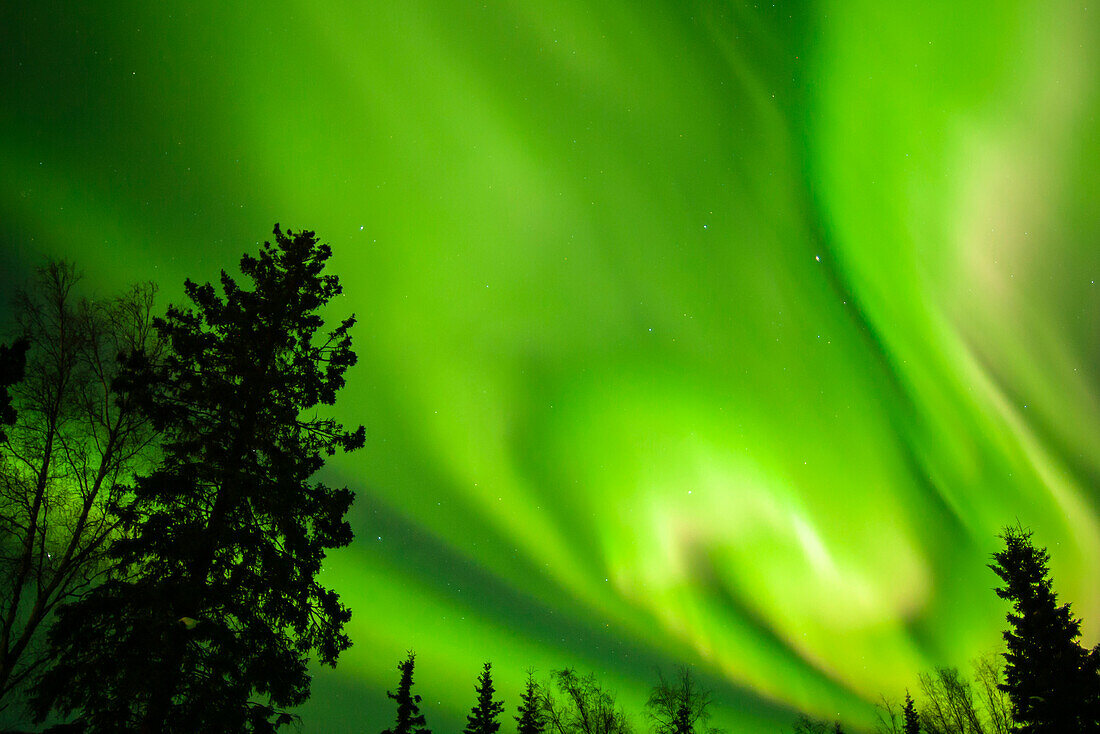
[708,332]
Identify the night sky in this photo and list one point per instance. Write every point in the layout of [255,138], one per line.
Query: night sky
[717,333]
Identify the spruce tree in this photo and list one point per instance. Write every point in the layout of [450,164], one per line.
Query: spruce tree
[409,718]
[530,719]
[1048,676]
[483,716]
[911,724]
[213,612]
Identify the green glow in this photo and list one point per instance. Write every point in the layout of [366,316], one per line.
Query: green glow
[689,332]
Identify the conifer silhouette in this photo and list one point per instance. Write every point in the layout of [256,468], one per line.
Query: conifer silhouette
[214,610]
[911,723]
[483,716]
[530,719]
[409,718]
[1050,679]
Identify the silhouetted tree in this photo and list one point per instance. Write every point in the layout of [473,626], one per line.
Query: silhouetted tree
[585,707]
[1050,679]
[483,716]
[948,704]
[209,622]
[911,720]
[679,706]
[13,360]
[530,719]
[889,716]
[74,442]
[808,725]
[993,699]
[409,718]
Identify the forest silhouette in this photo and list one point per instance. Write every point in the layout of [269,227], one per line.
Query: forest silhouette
[1043,683]
[161,535]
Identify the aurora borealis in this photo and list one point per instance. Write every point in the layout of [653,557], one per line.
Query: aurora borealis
[717,333]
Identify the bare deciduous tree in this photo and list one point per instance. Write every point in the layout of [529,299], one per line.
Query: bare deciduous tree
[948,704]
[68,456]
[998,707]
[808,725]
[584,707]
[680,705]
[889,716]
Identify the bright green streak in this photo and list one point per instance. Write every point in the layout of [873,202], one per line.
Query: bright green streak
[704,333]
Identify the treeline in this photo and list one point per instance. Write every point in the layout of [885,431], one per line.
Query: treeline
[566,703]
[160,533]
[1044,682]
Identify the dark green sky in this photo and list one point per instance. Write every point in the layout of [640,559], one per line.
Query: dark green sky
[721,333]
